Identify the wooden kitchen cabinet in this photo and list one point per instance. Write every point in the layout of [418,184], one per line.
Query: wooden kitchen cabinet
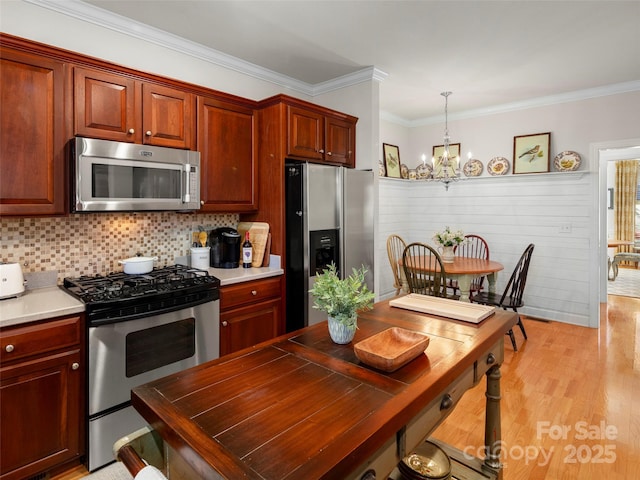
[228,156]
[42,399]
[320,137]
[250,313]
[118,107]
[33,134]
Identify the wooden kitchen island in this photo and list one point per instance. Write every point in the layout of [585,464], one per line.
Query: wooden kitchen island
[301,407]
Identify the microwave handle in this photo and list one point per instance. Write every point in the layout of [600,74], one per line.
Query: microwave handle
[187,194]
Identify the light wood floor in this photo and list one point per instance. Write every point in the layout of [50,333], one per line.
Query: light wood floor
[564,386]
[581,381]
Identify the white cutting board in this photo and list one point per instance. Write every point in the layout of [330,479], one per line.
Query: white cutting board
[258,235]
[444,307]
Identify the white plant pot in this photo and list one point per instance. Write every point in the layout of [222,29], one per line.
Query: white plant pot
[341,333]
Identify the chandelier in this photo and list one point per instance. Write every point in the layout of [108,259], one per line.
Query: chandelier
[445,168]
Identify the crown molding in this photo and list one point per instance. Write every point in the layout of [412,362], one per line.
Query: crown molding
[575,96]
[123,25]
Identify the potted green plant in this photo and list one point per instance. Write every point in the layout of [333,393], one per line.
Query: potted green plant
[341,299]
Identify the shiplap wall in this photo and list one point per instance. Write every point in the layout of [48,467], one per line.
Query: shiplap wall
[509,212]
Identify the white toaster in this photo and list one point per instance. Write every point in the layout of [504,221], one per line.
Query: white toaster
[11,280]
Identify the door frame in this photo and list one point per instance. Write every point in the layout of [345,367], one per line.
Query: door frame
[602,153]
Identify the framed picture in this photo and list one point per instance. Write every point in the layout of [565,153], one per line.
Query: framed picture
[391,160]
[454,152]
[531,153]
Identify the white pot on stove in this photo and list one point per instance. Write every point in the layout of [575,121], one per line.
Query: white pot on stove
[138,265]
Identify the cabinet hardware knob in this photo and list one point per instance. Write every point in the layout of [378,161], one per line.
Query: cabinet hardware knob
[131,131]
[201,202]
[225,323]
[368,475]
[254,292]
[321,150]
[491,359]
[148,133]
[329,153]
[446,402]
[9,348]
[75,366]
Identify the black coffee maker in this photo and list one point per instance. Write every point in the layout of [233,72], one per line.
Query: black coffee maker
[225,248]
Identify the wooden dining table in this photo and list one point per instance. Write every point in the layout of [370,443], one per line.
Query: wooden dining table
[613,243]
[464,270]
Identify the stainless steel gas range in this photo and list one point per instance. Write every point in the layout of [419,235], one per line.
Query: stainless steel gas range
[141,328]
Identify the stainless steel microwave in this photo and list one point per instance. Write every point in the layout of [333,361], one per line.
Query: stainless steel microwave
[117,176]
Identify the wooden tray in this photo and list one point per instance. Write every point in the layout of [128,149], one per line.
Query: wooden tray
[444,307]
[258,236]
[391,349]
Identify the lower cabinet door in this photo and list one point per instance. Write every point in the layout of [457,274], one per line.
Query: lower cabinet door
[40,407]
[247,326]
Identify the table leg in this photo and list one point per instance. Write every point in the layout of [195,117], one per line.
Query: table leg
[492,427]
[491,278]
[464,284]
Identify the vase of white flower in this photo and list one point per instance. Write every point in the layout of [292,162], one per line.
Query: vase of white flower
[446,253]
[447,241]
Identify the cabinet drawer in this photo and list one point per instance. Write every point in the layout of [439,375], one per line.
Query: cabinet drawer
[431,416]
[249,292]
[34,339]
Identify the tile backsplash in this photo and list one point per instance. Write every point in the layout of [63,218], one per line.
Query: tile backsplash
[93,243]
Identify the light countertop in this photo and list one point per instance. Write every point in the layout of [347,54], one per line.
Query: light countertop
[52,301]
[230,276]
[38,304]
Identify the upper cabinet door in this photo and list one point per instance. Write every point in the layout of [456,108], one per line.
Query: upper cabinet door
[168,117]
[228,156]
[305,135]
[319,137]
[116,107]
[107,106]
[340,141]
[33,134]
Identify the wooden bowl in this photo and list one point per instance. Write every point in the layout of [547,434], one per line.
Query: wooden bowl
[391,349]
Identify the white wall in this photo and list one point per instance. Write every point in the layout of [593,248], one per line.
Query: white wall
[515,210]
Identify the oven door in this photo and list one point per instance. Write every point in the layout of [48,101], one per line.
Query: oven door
[127,354]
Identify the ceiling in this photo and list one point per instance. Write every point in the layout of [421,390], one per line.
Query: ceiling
[488,53]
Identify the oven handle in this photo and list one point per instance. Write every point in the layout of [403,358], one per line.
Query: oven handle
[187,195]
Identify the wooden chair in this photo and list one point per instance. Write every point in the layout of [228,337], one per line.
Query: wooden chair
[474,246]
[512,295]
[417,261]
[395,247]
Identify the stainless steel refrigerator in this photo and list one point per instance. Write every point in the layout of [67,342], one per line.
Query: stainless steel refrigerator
[329,218]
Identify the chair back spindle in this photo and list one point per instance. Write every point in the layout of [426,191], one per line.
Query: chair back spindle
[395,247]
[424,270]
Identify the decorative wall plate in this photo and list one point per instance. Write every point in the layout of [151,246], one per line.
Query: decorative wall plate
[473,168]
[404,171]
[382,171]
[423,170]
[567,161]
[498,166]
